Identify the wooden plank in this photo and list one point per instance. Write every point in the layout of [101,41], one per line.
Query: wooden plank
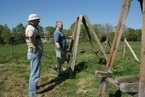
[131,50]
[129,87]
[73,34]
[76,42]
[70,41]
[126,87]
[103,74]
[142,65]
[129,79]
[118,34]
[91,31]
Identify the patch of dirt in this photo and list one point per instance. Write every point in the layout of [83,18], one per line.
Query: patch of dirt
[10,84]
[83,86]
[14,82]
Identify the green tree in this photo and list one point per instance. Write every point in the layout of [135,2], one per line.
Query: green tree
[18,33]
[133,34]
[5,34]
[50,30]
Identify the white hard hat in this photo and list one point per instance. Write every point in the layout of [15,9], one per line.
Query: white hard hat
[33,17]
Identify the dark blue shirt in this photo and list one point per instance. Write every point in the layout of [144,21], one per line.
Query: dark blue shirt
[60,38]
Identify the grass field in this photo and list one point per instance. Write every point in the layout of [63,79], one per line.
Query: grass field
[14,72]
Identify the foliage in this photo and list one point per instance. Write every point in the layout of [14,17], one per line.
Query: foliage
[5,34]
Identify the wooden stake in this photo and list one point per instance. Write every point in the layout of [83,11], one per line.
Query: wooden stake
[131,50]
[142,65]
[76,42]
[118,34]
[116,40]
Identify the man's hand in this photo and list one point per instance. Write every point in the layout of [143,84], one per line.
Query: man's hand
[57,45]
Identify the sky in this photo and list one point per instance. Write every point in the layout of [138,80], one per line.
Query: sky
[13,12]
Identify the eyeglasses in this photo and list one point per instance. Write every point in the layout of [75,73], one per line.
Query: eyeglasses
[37,20]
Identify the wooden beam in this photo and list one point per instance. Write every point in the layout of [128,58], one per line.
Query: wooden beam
[129,87]
[128,79]
[73,34]
[116,41]
[76,42]
[118,34]
[142,65]
[103,74]
[102,89]
[131,50]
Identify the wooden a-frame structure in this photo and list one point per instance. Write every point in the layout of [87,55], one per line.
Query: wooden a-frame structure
[92,36]
[132,84]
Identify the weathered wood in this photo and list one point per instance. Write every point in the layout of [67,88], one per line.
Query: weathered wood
[118,34]
[70,41]
[126,87]
[73,34]
[103,74]
[113,82]
[142,65]
[117,38]
[102,89]
[129,79]
[76,42]
[131,50]
[76,27]
[129,87]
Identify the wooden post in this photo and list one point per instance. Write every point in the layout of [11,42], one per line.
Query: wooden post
[73,33]
[102,89]
[142,65]
[116,41]
[131,50]
[118,34]
[76,42]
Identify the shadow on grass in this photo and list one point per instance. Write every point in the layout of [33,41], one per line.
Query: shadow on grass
[118,93]
[67,74]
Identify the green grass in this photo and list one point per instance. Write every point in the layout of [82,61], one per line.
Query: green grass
[14,68]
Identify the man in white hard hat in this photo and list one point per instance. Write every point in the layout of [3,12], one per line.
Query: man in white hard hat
[34,52]
[60,43]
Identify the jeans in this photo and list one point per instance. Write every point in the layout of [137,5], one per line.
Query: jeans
[34,76]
